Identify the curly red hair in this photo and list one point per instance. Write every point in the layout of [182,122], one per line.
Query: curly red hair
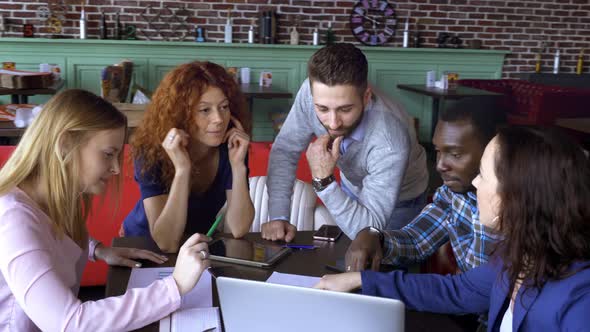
[172,104]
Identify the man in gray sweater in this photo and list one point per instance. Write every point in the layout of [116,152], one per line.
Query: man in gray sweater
[366,135]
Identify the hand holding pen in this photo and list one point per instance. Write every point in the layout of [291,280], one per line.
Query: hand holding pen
[215,224]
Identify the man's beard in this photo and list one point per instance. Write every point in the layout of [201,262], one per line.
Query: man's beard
[348,130]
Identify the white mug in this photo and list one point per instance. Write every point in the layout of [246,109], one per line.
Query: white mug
[245,75]
[430,78]
[50,68]
[45,68]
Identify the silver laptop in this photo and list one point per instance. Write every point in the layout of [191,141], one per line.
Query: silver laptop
[263,307]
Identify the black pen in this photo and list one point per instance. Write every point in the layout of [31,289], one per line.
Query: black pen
[334,268]
[299,246]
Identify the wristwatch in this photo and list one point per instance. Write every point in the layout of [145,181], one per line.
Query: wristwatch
[378,232]
[321,184]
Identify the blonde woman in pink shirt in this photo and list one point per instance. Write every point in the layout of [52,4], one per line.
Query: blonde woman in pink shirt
[69,153]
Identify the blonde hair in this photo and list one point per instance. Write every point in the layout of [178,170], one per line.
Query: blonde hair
[48,153]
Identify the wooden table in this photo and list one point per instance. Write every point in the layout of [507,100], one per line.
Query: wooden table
[20,96]
[257,91]
[578,128]
[252,91]
[581,125]
[441,94]
[134,112]
[306,262]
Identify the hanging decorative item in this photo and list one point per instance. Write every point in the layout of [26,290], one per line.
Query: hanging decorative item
[373,22]
[168,23]
[43,12]
[129,32]
[448,40]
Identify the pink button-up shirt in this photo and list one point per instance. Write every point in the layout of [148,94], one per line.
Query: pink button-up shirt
[41,277]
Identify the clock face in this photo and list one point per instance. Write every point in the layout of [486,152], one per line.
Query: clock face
[373,22]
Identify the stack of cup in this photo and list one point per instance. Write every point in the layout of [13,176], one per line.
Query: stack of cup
[430,78]
[245,75]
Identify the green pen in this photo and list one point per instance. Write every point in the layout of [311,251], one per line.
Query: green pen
[215,224]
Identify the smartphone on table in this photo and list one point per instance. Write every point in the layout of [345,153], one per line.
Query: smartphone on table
[327,233]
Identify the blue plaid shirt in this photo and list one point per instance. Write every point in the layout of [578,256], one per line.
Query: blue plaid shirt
[450,217]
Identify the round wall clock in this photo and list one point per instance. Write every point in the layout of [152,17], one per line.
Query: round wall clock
[373,22]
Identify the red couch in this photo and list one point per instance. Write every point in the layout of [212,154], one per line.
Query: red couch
[530,103]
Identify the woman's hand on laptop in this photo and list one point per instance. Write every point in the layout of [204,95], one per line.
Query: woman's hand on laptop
[192,260]
[343,282]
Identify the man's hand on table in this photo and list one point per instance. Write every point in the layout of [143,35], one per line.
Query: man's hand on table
[276,230]
[365,248]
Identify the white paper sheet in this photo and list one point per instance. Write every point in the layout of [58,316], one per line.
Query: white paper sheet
[191,320]
[165,324]
[196,319]
[200,297]
[292,279]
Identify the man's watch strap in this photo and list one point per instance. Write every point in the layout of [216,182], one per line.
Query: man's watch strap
[377,231]
[321,184]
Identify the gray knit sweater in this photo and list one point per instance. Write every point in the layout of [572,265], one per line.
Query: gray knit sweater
[386,166]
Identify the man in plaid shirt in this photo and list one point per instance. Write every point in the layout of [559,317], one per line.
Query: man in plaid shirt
[461,134]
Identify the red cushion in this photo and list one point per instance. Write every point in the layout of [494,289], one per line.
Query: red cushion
[441,262]
[107,217]
[530,103]
[258,162]
[5,152]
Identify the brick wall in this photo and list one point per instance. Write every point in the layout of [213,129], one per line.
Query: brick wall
[518,26]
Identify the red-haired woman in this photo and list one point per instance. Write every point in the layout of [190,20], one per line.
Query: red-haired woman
[190,157]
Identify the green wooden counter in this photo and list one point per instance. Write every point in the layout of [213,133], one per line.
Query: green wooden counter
[82,60]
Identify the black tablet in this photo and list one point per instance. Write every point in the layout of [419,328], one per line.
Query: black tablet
[246,252]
